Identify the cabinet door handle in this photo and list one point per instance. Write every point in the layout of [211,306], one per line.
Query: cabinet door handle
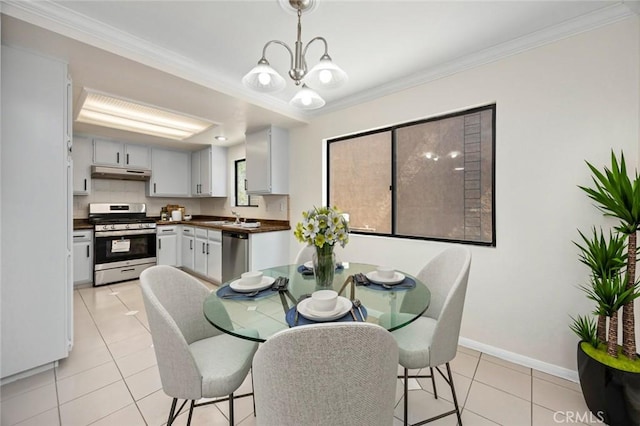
[85,184]
[127,270]
[207,248]
[245,184]
[118,157]
[190,244]
[159,244]
[127,159]
[87,251]
[202,248]
[154,188]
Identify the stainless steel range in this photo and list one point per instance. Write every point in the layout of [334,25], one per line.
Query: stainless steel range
[124,241]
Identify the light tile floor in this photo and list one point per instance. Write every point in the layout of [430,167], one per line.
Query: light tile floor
[111,378]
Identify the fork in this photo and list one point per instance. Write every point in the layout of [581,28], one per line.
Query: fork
[231,295]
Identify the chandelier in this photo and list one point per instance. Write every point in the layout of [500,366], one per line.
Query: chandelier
[325,74]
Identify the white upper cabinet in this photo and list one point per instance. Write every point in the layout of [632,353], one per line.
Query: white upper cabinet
[107,153]
[137,156]
[267,153]
[118,154]
[170,173]
[82,154]
[209,172]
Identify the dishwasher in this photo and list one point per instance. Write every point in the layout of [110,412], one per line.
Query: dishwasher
[235,254]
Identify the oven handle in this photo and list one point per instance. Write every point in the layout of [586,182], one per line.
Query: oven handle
[99,234]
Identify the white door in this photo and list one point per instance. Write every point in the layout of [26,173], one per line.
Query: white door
[82,262]
[187,251]
[214,261]
[168,249]
[200,261]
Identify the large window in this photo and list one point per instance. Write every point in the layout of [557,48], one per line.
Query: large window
[430,179]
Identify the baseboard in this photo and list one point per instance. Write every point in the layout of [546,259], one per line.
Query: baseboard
[545,367]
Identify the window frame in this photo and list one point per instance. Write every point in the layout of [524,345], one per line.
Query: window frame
[393,184]
[236,188]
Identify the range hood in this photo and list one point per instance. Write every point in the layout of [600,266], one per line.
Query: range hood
[105,172]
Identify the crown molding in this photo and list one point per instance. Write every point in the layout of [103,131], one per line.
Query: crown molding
[62,20]
[57,18]
[549,35]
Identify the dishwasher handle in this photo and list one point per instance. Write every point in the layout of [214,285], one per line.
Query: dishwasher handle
[237,235]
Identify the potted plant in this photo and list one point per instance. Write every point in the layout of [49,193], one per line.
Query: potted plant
[610,374]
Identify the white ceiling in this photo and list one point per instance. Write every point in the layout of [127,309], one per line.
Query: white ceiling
[190,56]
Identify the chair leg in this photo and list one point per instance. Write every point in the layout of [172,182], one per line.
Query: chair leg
[253,395]
[433,382]
[453,393]
[193,401]
[406,397]
[231,421]
[173,409]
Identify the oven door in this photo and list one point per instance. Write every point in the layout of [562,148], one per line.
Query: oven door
[119,246]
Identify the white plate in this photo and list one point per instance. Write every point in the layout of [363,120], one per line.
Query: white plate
[375,278]
[242,288]
[308,265]
[342,307]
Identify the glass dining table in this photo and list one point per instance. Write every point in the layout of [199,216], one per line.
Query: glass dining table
[258,316]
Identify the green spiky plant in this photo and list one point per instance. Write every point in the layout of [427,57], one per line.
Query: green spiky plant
[618,196]
[610,294]
[605,257]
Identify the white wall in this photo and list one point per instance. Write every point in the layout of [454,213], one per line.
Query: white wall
[557,106]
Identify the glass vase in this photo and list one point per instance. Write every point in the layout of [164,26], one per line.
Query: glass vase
[324,266]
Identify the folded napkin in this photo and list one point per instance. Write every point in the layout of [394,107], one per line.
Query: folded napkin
[406,284]
[227,292]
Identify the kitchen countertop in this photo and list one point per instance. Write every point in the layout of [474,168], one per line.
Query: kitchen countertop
[205,222]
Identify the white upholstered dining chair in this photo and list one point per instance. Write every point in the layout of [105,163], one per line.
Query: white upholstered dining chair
[195,360]
[305,254]
[432,340]
[332,374]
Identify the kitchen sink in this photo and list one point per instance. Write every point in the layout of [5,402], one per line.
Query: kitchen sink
[217,222]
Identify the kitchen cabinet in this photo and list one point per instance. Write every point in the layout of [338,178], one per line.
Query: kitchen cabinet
[170,173]
[200,255]
[36,303]
[268,249]
[209,172]
[167,245]
[267,154]
[214,255]
[118,154]
[187,247]
[82,155]
[82,257]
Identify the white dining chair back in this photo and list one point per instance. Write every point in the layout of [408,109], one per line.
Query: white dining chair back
[447,276]
[305,254]
[432,340]
[195,359]
[326,374]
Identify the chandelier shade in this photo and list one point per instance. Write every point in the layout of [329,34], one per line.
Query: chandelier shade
[324,75]
[263,78]
[307,99]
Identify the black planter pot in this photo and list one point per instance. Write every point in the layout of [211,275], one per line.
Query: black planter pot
[611,395]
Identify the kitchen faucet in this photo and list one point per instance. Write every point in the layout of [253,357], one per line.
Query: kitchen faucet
[237,215]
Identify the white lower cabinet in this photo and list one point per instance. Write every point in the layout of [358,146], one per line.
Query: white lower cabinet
[200,255]
[82,257]
[167,245]
[187,247]
[214,255]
